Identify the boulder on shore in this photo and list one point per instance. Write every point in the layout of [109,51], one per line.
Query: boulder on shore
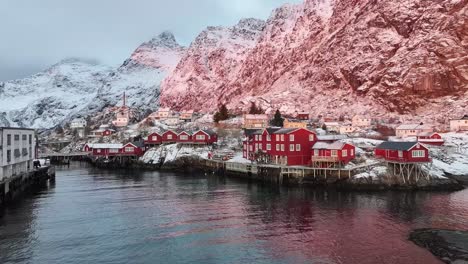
[450,246]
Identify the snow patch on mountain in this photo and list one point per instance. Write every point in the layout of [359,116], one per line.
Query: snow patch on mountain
[75,87]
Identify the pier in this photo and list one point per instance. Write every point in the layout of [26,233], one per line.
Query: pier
[13,187]
[63,158]
[285,174]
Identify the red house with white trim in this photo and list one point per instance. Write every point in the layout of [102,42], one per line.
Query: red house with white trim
[169,137]
[332,154]
[117,149]
[205,136]
[153,140]
[184,137]
[403,152]
[284,146]
[431,138]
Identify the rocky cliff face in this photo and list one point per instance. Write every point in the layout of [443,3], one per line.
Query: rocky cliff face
[335,56]
[212,60]
[74,87]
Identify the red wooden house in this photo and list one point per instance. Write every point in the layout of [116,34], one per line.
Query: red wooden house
[116,149]
[135,149]
[169,137]
[206,136]
[303,116]
[332,154]
[285,146]
[153,140]
[403,152]
[106,150]
[431,138]
[184,137]
[88,147]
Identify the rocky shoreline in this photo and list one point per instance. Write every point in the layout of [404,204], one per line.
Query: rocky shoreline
[451,246]
[194,164]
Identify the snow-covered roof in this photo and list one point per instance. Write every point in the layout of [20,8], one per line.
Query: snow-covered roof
[323,145]
[164,109]
[107,146]
[331,137]
[427,134]
[413,127]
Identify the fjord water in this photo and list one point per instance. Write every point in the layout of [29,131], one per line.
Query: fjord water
[94,216]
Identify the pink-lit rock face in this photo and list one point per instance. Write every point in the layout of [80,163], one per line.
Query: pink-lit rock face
[332,57]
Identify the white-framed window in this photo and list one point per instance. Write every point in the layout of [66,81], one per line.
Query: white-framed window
[400,154]
[282,137]
[316,152]
[268,146]
[277,147]
[277,137]
[282,147]
[311,137]
[334,153]
[291,138]
[298,147]
[155,138]
[345,153]
[291,147]
[352,152]
[418,154]
[113,150]
[256,146]
[169,136]
[251,148]
[129,149]
[183,137]
[200,137]
[268,138]
[256,137]
[98,151]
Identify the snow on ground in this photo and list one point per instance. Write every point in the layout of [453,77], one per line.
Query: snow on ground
[239,159]
[375,172]
[174,151]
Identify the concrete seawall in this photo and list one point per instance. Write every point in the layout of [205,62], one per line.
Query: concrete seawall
[13,188]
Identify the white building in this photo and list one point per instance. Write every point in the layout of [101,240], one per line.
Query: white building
[412,130]
[459,124]
[162,113]
[17,151]
[187,116]
[255,121]
[347,129]
[333,126]
[361,121]
[78,123]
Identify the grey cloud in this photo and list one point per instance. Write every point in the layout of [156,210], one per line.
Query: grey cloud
[36,34]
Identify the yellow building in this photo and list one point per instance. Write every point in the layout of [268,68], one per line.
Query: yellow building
[294,124]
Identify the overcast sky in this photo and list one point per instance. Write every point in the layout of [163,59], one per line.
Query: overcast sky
[37,33]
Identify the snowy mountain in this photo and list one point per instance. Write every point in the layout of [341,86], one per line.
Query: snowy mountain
[77,88]
[212,60]
[45,99]
[339,56]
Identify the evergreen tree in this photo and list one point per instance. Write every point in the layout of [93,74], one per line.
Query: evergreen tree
[223,112]
[254,110]
[216,117]
[277,120]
